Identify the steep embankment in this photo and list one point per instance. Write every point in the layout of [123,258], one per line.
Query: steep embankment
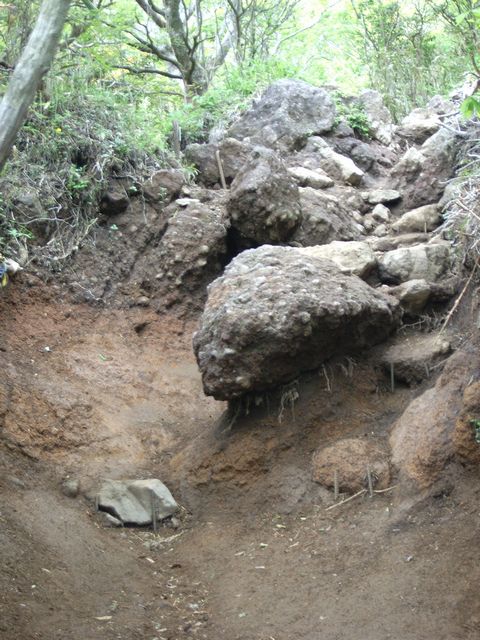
[105,387]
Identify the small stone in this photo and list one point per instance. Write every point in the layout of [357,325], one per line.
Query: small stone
[381,213]
[70,488]
[381,196]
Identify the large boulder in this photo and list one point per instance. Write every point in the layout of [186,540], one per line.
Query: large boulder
[421,174]
[354,257]
[135,501]
[285,115]
[324,219]
[264,204]
[233,155]
[421,262]
[277,312]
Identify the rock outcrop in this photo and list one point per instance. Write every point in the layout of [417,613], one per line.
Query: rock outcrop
[286,114]
[277,312]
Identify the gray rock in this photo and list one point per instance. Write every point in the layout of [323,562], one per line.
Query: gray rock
[233,154]
[396,242]
[413,295]
[419,125]
[348,170]
[130,501]
[264,204]
[277,312]
[424,219]
[380,231]
[324,219]
[363,154]
[423,261]
[286,114]
[381,213]
[108,520]
[380,118]
[355,258]
[317,179]
[421,174]
[343,130]
[382,196]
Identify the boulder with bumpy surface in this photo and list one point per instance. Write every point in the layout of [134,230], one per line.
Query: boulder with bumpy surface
[277,312]
[264,204]
[324,219]
[191,251]
[287,113]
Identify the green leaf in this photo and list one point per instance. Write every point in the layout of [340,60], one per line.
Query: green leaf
[470,107]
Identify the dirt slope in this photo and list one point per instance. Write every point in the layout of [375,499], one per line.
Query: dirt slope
[257,555]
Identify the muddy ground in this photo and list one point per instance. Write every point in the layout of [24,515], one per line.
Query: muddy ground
[93,393]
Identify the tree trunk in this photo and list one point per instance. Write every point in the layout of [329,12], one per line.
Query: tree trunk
[32,65]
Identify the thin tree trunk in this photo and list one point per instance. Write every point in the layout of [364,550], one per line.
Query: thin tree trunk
[32,65]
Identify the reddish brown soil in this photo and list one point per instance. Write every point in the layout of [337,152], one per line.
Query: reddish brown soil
[257,556]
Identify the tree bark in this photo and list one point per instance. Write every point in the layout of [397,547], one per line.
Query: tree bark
[32,65]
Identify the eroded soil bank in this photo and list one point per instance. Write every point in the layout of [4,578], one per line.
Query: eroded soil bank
[99,393]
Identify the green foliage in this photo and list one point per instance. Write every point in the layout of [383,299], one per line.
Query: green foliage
[408,56]
[354,114]
[476,426]
[470,107]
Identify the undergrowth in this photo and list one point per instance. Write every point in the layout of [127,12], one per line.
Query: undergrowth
[353,114]
[462,212]
[70,147]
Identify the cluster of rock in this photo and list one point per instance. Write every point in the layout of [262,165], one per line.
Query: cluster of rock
[312,210]
[319,244]
[327,237]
